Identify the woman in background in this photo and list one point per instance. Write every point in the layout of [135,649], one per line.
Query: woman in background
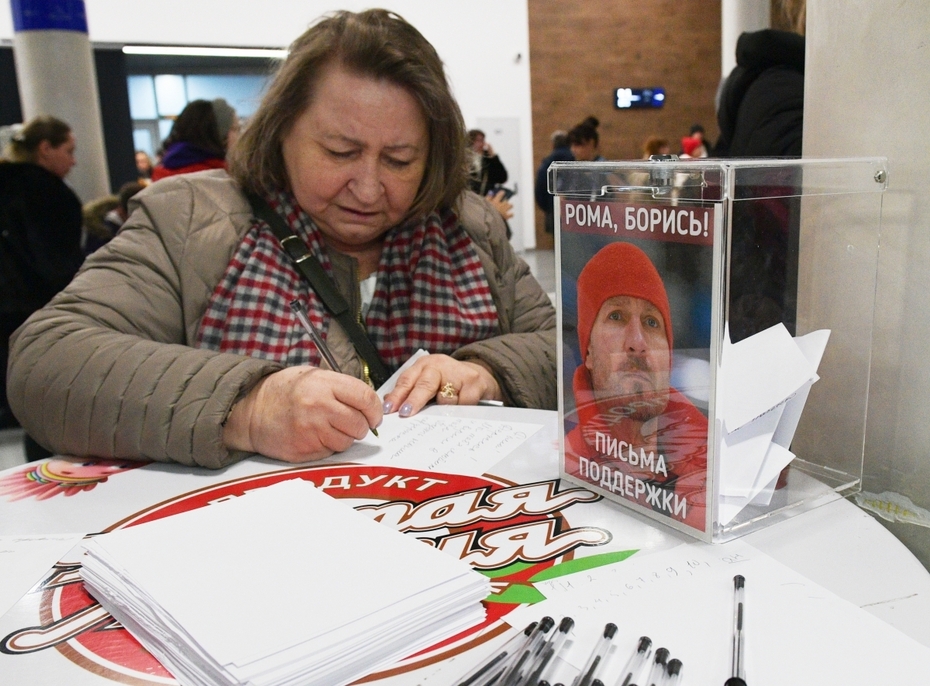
[201,136]
[40,233]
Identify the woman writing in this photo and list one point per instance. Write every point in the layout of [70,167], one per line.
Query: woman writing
[181,345]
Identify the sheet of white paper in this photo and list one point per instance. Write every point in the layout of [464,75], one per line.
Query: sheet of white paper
[388,385]
[797,632]
[760,372]
[264,550]
[25,559]
[730,506]
[742,454]
[812,346]
[432,442]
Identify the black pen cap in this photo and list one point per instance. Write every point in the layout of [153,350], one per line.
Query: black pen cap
[661,656]
[529,628]
[739,581]
[566,624]
[645,643]
[673,667]
[609,631]
[545,624]
[597,682]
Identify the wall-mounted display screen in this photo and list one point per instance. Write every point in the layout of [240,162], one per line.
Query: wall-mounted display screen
[629,98]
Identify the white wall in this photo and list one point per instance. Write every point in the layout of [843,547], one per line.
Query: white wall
[867,80]
[484,44]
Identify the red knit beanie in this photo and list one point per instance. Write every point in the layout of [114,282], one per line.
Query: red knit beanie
[618,269]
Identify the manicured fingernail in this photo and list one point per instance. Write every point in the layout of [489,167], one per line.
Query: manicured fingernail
[387,407]
[406,409]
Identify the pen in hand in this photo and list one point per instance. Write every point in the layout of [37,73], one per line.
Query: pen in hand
[317,339]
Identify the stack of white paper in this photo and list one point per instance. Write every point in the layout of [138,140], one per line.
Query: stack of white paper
[765,379]
[283,585]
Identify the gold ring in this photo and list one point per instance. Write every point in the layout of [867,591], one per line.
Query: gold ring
[448,391]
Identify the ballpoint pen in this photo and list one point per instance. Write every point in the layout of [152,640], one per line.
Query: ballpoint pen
[657,673]
[497,662]
[739,635]
[527,653]
[673,669]
[636,662]
[598,654]
[317,339]
[548,653]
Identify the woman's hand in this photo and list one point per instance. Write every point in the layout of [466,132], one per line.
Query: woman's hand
[302,413]
[447,380]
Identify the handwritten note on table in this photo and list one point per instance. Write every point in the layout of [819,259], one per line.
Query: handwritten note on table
[797,631]
[456,444]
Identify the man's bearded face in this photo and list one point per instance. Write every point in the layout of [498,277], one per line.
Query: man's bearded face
[628,358]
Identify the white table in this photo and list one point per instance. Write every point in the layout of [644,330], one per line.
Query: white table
[61,638]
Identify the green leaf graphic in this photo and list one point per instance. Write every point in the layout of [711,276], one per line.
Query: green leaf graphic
[517,594]
[580,565]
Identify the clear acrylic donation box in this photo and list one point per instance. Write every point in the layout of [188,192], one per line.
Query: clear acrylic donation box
[715,334]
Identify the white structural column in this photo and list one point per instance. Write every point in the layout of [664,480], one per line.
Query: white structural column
[55,70]
[867,75]
[736,17]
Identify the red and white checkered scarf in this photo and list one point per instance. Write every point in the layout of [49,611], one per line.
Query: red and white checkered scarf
[431,292]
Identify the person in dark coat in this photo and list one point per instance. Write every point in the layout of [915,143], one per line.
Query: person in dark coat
[761,103]
[561,152]
[40,232]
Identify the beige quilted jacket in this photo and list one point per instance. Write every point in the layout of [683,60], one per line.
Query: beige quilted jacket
[107,368]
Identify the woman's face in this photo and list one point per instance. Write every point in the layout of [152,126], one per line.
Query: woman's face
[355,158]
[57,159]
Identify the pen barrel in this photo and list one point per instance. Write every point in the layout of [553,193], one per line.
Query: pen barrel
[524,658]
[596,660]
[637,661]
[548,653]
[739,634]
[485,672]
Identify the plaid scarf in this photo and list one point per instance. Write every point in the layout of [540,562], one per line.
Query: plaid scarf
[431,292]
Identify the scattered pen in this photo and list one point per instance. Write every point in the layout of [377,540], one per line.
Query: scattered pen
[674,672]
[637,661]
[739,635]
[527,653]
[596,660]
[317,339]
[657,673]
[548,652]
[497,662]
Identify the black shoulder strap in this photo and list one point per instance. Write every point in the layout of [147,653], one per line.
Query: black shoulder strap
[310,268]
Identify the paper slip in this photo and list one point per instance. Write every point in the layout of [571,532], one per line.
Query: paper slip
[760,373]
[281,585]
[449,444]
[797,632]
[766,380]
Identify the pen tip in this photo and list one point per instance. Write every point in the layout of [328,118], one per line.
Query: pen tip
[375,432]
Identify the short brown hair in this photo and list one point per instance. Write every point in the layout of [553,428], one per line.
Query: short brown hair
[374,43]
[25,143]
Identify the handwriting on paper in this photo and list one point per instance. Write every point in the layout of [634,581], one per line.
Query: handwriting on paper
[457,444]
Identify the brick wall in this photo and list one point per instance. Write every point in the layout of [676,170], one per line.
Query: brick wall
[581,50]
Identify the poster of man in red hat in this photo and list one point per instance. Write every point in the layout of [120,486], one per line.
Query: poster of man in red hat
[636,288]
